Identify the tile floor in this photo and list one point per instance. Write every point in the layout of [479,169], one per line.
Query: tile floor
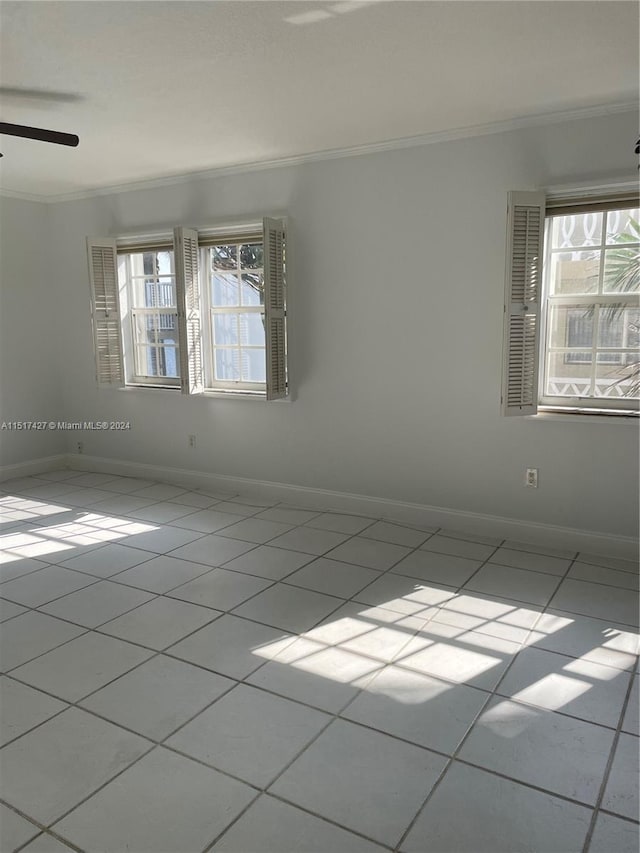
[187,671]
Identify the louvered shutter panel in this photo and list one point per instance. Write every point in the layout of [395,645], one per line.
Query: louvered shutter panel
[275,308]
[525,235]
[105,310]
[189,319]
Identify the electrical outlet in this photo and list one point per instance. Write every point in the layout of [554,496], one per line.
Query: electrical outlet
[531,478]
[192,441]
[80,447]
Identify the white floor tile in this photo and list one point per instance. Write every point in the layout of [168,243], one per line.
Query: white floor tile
[126,485]
[601,602]
[268,562]
[212,550]
[97,604]
[158,696]
[598,574]
[272,826]
[256,530]
[288,608]
[418,708]
[164,802]
[288,515]
[409,596]
[31,634]
[621,792]
[8,610]
[580,688]
[333,577]
[315,674]
[14,830]
[499,617]
[250,734]
[22,709]
[613,835]
[463,657]
[532,548]
[160,622]
[437,568]
[371,553]
[106,561]
[458,547]
[121,504]
[466,536]
[46,843]
[231,646]
[562,755]
[397,534]
[51,583]
[92,479]
[236,507]
[601,641]
[161,513]
[630,721]
[208,520]
[159,492]
[308,540]
[473,811]
[161,574]
[194,499]
[340,523]
[517,584]
[609,562]
[361,779]
[54,767]
[534,562]
[220,589]
[78,668]
[163,539]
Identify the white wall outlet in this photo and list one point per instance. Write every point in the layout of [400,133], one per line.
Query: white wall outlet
[531,478]
[80,447]
[192,441]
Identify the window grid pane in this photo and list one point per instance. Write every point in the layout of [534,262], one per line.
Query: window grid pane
[592,343]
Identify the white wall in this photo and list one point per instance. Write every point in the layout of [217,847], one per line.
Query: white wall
[397,270]
[30,368]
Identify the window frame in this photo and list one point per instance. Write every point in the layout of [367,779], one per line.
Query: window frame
[577,403]
[110,279]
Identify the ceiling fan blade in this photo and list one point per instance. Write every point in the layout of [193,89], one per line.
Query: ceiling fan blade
[39,133]
[39,95]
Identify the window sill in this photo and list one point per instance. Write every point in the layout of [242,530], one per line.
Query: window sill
[208,394]
[589,416]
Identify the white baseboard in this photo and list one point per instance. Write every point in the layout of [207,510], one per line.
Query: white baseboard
[33,466]
[408,513]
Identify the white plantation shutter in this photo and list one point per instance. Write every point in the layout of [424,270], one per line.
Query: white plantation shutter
[105,309]
[275,308]
[189,320]
[525,235]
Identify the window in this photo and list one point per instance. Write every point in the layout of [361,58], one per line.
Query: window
[203,312]
[572,315]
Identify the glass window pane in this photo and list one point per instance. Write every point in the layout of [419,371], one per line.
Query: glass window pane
[224,257]
[575,272]
[580,229]
[144,328]
[623,222]
[225,329]
[618,381]
[251,256]
[254,367]
[227,365]
[572,326]
[225,290]
[168,361]
[153,292]
[252,329]
[622,269]
[166,328]
[610,327]
[163,262]
[565,378]
[252,288]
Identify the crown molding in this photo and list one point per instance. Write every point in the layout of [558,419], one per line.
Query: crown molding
[490,128]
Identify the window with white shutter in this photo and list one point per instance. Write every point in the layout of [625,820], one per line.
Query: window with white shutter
[204,311]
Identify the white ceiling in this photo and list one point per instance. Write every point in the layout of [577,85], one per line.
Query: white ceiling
[174,87]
